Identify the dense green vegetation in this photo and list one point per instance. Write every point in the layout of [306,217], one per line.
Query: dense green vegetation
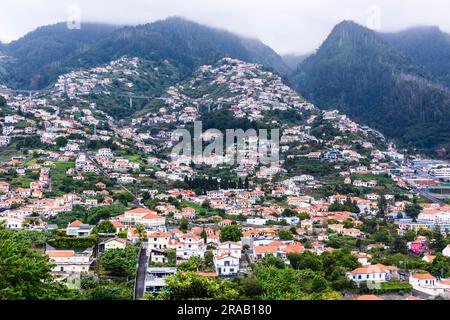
[24,273]
[119,262]
[358,72]
[91,216]
[39,57]
[272,279]
[428,46]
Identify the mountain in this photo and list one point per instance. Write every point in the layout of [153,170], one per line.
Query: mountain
[428,46]
[35,59]
[294,60]
[264,55]
[184,43]
[359,73]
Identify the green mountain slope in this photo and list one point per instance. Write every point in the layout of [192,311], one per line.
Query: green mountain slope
[50,51]
[38,57]
[359,73]
[428,46]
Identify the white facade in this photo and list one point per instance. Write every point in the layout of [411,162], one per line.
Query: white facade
[67,261]
[116,243]
[190,247]
[226,264]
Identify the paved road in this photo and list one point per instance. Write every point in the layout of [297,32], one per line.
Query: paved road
[428,196]
[141,272]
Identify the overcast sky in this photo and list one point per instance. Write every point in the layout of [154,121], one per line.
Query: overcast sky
[288,26]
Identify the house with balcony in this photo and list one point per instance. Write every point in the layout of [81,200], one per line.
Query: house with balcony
[226,264]
[155,279]
[68,261]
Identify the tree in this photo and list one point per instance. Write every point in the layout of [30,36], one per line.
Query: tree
[184,224]
[251,287]
[305,260]
[146,196]
[247,183]
[209,259]
[124,197]
[61,141]
[106,227]
[303,216]
[288,213]
[270,260]
[382,206]
[2,101]
[285,235]
[192,264]
[438,243]
[191,286]
[440,267]
[206,204]
[25,274]
[230,233]
[119,262]
[140,230]
[413,211]
[399,245]
[108,293]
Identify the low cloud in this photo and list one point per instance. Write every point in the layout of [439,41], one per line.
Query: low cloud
[288,26]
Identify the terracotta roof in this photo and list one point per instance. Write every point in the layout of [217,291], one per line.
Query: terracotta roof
[141,210]
[75,223]
[207,274]
[151,216]
[265,249]
[159,235]
[225,255]
[117,223]
[423,276]
[60,253]
[369,269]
[117,239]
[294,248]
[445,282]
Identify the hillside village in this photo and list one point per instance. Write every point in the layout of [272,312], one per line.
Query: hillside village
[104,195]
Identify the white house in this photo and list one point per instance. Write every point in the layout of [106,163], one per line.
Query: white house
[115,243]
[155,279]
[226,264]
[146,217]
[422,280]
[233,247]
[157,256]
[78,229]
[290,220]
[190,246]
[158,240]
[12,222]
[446,251]
[373,273]
[256,221]
[67,261]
